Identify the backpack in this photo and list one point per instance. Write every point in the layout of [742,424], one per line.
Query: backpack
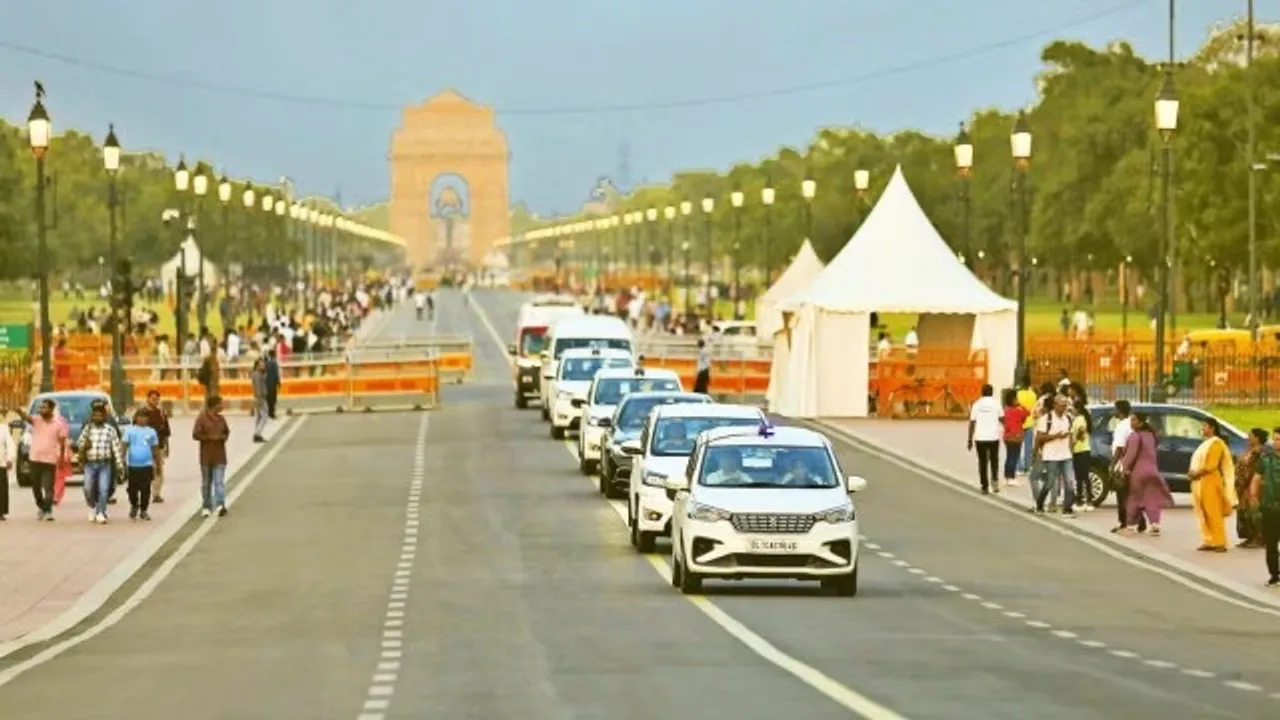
[1269,472]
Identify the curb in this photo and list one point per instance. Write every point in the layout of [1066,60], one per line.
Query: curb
[105,589]
[1170,567]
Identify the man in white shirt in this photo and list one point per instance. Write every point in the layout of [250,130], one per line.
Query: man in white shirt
[1053,434]
[1119,437]
[911,342]
[985,432]
[728,471]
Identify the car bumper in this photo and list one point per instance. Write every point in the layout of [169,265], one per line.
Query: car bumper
[622,467]
[654,510]
[718,550]
[565,415]
[591,438]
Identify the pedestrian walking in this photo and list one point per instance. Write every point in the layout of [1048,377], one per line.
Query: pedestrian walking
[1013,420]
[159,422]
[1081,450]
[1248,517]
[261,414]
[8,456]
[48,445]
[702,382]
[273,381]
[1027,397]
[1148,494]
[1212,496]
[1053,433]
[1265,492]
[100,453]
[211,431]
[1119,479]
[142,448]
[985,431]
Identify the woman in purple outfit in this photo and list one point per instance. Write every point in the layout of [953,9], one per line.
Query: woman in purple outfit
[1148,492]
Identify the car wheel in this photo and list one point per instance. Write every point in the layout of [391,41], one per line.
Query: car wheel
[845,586]
[603,485]
[644,541]
[522,402]
[586,467]
[611,492]
[634,530]
[1099,485]
[675,565]
[690,582]
[546,413]
[557,433]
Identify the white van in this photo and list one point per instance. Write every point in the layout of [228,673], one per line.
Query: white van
[605,332]
[535,323]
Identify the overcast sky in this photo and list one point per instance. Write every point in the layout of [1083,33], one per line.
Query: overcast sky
[681,83]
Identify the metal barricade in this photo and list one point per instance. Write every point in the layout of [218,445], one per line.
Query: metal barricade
[15,381]
[455,353]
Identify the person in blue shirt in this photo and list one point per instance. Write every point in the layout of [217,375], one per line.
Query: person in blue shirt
[142,443]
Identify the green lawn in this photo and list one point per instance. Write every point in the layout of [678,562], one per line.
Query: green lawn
[16,312]
[1247,418]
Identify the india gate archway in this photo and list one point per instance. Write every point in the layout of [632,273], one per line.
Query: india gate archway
[449,198]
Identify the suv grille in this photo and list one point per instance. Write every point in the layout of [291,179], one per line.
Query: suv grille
[771,523]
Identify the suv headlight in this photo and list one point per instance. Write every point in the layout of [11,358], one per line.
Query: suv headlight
[842,514]
[653,479]
[707,513]
[564,395]
[594,421]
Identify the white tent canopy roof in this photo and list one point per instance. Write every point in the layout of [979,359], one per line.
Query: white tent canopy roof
[804,268]
[897,263]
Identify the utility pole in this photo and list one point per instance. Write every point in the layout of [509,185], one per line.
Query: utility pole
[1251,157]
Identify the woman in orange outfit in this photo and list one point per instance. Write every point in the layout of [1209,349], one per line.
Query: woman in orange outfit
[1213,496]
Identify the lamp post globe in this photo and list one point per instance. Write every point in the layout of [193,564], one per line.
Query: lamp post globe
[1020,140]
[111,151]
[736,198]
[280,208]
[181,176]
[686,207]
[39,126]
[708,204]
[651,214]
[808,188]
[861,180]
[200,181]
[669,212]
[248,198]
[964,151]
[768,195]
[268,202]
[224,190]
[1166,108]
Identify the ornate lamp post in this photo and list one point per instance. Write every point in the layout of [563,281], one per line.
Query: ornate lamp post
[224,200]
[861,181]
[111,163]
[767,196]
[669,212]
[1020,145]
[250,201]
[182,184]
[1124,297]
[709,206]
[964,167]
[200,186]
[736,198]
[808,190]
[651,215]
[1166,111]
[39,135]
[684,249]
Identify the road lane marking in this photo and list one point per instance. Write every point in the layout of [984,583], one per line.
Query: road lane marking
[161,573]
[382,686]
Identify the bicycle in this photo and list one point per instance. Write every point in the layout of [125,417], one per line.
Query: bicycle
[923,399]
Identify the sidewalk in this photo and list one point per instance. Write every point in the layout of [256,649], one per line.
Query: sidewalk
[940,444]
[48,569]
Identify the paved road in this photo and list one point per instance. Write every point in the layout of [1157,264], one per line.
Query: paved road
[477,575]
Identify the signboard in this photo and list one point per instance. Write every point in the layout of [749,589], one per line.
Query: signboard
[15,337]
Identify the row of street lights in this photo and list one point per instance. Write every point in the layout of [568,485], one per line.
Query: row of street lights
[324,227]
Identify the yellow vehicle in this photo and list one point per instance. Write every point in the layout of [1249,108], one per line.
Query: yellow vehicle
[1220,341]
[1269,339]
[427,281]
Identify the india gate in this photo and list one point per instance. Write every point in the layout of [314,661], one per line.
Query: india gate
[449,193]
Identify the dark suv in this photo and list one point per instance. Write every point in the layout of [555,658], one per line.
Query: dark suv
[1178,429]
[74,407]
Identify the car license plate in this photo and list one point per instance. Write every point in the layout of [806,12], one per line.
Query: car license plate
[774,546]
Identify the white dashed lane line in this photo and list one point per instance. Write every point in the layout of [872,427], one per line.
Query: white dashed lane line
[391,645]
[1059,633]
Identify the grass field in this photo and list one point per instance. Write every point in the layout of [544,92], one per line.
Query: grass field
[18,312]
[1248,418]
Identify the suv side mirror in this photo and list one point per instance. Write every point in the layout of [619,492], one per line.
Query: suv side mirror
[675,484]
[856,483]
[605,423]
[511,349]
[631,447]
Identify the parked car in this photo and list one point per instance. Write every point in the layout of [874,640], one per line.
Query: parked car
[74,406]
[1178,429]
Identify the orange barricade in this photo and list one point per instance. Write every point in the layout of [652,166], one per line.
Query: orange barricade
[737,378]
[943,382]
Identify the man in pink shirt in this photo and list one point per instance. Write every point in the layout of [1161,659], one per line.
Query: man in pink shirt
[48,444]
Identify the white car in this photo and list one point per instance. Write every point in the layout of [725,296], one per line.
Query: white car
[764,503]
[665,444]
[607,390]
[574,373]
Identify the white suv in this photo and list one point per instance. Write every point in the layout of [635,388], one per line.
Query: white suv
[665,444]
[574,373]
[764,503]
[607,390]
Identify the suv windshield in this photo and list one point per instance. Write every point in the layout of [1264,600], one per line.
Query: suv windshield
[75,409]
[573,343]
[635,411]
[741,466]
[533,340]
[586,368]
[612,390]
[675,436]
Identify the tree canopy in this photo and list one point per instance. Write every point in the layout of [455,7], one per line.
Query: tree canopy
[1093,183]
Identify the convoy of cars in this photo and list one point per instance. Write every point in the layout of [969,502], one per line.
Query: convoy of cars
[738,498]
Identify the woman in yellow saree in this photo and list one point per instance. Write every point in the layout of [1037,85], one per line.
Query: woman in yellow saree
[1213,496]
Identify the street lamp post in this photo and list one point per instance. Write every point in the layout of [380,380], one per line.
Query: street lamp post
[1020,145]
[200,186]
[736,198]
[1166,117]
[651,215]
[669,212]
[111,163]
[1124,297]
[964,166]
[39,135]
[767,196]
[182,303]
[250,201]
[224,199]
[808,190]
[686,208]
[684,249]
[708,206]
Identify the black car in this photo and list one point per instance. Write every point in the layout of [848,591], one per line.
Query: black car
[626,424]
[1179,431]
[74,407]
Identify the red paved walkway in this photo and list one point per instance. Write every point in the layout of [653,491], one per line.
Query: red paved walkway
[46,568]
[940,444]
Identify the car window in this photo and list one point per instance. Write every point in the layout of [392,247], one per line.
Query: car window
[675,436]
[633,413]
[533,340]
[610,391]
[577,369]
[1187,427]
[572,343]
[76,409]
[768,467]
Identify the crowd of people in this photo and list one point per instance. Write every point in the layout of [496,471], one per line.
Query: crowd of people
[1046,436]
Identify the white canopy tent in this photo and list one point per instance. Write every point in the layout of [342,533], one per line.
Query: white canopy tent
[169,270]
[895,263]
[803,270]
